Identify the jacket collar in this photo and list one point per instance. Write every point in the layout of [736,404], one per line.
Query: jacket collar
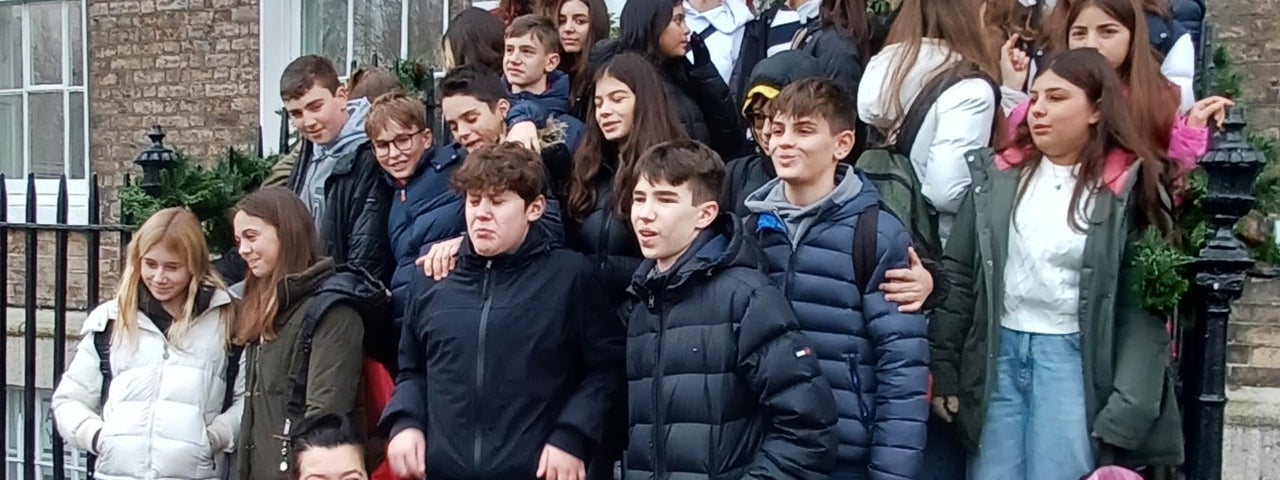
[536,243]
[720,246]
[297,287]
[1117,175]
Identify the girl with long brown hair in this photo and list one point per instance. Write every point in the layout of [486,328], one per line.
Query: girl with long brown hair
[628,117]
[1117,29]
[1043,354]
[170,407]
[295,369]
[581,24]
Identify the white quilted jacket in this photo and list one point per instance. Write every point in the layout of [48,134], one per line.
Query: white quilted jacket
[163,417]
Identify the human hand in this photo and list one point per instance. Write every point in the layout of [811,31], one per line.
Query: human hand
[441,259]
[908,287]
[1015,65]
[406,454]
[1211,108]
[946,408]
[526,134]
[557,464]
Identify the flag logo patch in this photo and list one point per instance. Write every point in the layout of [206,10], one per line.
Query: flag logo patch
[804,352]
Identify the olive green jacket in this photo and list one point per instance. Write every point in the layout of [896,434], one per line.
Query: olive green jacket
[1128,382]
[333,377]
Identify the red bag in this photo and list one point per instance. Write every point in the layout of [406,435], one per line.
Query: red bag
[377,393]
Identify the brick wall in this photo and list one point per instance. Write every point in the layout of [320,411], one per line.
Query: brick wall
[1239,27]
[189,65]
[1253,346]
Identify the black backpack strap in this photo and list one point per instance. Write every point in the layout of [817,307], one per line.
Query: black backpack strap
[706,32]
[865,259]
[233,371]
[101,345]
[929,94]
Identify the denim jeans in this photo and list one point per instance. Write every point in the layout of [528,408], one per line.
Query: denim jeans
[1036,423]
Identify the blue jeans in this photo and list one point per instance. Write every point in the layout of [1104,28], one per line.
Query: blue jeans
[1036,424]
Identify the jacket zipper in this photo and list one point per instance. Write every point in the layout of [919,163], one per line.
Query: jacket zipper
[863,411]
[484,323]
[151,434]
[659,415]
[602,255]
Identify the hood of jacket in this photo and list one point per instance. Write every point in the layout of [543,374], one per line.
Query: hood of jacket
[352,134]
[773,74]
[873,109]
[555,100]
[537,242]
[720,246]
[853,194]
[297,287]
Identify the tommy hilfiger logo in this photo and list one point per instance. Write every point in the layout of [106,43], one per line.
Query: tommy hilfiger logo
[804,352]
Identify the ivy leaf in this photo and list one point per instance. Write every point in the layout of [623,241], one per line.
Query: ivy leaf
[1159,268]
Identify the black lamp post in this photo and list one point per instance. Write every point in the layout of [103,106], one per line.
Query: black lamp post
[1232,165]
[155,159]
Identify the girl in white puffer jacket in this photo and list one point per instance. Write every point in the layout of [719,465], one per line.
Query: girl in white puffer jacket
[166,413]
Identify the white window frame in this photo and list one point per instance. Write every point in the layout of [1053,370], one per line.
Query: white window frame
[47,189]
[282,45]
[74,465]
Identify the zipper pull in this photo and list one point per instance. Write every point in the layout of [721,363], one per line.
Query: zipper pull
[404,197]
[488,264]
[166,350]
[651,301]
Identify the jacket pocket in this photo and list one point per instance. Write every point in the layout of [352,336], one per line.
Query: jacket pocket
[864,413]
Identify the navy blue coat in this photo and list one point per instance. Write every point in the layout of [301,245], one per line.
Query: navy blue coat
[553,103]
[875,358]
[423,211]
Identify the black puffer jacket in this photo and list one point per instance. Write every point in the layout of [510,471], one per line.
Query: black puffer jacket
[506,355]
[358,201]
[706,107]
[721,384]
[606,239]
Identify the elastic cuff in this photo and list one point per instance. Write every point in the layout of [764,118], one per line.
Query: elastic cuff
[570,441]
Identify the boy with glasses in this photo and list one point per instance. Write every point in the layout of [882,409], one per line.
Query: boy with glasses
[423,208]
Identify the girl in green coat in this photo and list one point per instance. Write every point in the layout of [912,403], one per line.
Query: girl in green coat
[1041,353]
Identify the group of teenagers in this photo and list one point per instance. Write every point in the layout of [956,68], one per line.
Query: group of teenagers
[658,257]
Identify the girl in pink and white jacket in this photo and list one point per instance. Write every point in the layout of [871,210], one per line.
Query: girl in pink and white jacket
[1118,30]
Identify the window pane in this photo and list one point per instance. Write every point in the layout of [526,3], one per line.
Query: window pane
[77,43]
[426,28]
[46,134]
[377,31]
[11,127]
[10,46]
[324,31]
[46,43]
[76,120]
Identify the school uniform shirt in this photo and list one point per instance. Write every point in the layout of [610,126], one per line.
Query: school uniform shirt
[721,30]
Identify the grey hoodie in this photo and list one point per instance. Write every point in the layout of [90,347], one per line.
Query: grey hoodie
[324,157]
[771,198]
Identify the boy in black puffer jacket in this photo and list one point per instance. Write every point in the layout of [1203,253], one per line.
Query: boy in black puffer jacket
[508,365]
[720,382]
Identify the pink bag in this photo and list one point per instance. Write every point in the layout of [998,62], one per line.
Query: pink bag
[1113,473]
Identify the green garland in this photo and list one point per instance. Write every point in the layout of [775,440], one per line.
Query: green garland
[1161,266]
[208,193]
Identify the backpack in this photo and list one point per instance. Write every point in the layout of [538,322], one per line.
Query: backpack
[349,287]
[889,167]
[102,345]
